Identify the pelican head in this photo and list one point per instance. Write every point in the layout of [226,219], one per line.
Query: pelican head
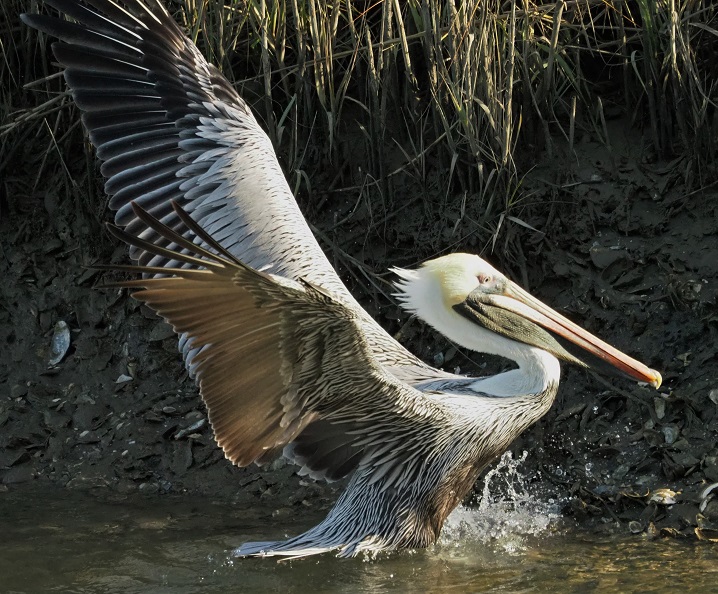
[473,304]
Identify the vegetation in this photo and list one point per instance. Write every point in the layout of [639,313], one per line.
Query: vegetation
[388,102]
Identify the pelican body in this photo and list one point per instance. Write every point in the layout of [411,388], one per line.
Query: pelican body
[285,359]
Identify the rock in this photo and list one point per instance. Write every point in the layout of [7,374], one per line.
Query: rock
[87,482]
[711,473]
[18,390]
[603,257]
[710,511]
[161,331]
[18,474]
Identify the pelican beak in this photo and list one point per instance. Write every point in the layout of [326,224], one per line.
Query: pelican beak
[518,315]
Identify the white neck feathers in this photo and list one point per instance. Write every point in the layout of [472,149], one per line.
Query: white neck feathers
[421,293]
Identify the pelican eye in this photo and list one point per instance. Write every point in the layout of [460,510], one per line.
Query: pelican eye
[484,279]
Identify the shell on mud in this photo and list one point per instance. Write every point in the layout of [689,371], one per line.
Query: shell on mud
[670,433]
[664,496]
[60,343]
[710,492]
[635,527]
[707,534]
[191,429]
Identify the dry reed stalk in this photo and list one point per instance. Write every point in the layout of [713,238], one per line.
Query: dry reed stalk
[441,90]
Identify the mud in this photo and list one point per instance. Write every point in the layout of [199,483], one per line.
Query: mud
[606,235]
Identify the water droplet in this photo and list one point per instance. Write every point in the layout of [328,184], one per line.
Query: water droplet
[508,510]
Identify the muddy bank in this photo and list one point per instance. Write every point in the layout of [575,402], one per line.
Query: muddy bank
[610,238]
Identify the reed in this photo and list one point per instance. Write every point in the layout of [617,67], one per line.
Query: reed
[669,49]
[437,101]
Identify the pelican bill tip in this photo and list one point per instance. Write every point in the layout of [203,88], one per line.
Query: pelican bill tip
[656,380]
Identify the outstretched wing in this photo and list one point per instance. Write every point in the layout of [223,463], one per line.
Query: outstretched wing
[278,355]
[168,126]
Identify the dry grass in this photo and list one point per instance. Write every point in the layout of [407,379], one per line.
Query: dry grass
[451,99]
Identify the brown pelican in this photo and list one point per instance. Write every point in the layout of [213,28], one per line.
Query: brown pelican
[286,360]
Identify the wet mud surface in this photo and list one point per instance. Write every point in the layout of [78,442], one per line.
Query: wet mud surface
[613,240]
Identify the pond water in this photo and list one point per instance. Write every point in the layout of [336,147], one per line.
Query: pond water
[63,541]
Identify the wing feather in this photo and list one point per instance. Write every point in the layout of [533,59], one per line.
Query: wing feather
[168,126]
[277,356]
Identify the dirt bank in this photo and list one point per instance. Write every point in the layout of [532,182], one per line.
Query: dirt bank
[605,235]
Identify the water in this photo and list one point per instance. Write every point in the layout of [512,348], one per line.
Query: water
[60,541]
[507,512]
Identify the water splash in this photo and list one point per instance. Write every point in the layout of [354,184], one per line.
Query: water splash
[507,513]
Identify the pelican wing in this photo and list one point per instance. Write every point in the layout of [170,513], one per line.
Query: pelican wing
[278,356]
[168,126]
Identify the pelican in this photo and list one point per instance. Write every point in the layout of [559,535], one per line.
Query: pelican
[285,359]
